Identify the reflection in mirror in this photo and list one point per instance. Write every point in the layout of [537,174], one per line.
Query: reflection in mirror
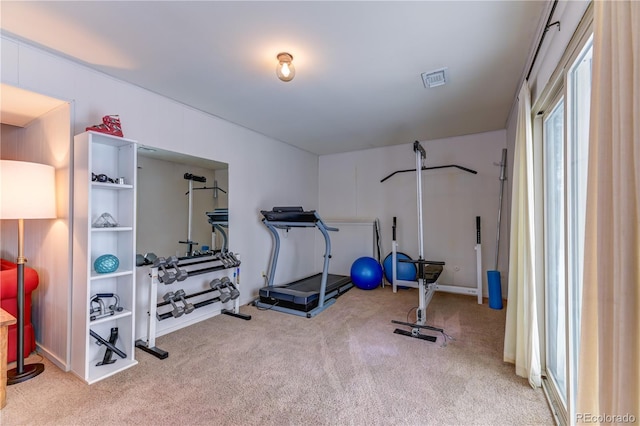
[177,195]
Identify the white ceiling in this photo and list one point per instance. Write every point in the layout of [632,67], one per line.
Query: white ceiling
[358,63]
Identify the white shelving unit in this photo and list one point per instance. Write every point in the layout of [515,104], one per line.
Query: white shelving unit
[114,157]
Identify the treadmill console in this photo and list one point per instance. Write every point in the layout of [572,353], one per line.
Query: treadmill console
[288,209]
[290,214]
[218,216]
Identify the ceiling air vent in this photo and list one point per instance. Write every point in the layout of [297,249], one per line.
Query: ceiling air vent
[435,78]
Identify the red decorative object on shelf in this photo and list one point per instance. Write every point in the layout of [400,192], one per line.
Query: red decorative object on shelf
[110,125]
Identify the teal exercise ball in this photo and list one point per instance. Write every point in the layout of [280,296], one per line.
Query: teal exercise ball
[106,263]
[366,273]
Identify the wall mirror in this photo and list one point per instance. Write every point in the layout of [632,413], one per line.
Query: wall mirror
[175,193]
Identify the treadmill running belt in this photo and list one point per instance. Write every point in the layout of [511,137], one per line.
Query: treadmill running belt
[303,294]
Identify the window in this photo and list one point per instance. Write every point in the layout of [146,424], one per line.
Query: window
[555,284]
[579,91]
[565,140]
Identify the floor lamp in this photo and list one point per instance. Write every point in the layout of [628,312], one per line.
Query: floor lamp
[28,192]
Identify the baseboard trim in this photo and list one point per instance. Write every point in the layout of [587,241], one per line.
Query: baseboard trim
[61,364]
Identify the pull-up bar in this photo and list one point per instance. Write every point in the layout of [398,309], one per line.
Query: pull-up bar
[422,155]
[430,168]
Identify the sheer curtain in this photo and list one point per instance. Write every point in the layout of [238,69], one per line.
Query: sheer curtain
[521,340]
[609,357]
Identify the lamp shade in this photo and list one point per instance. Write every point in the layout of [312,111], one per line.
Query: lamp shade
[28,190]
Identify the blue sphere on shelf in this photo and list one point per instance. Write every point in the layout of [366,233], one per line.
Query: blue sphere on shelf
[106,263]
[366,273]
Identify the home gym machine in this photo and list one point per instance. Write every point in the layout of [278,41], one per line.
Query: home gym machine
[427,271]
[395,256]
[308,296]
[191,178]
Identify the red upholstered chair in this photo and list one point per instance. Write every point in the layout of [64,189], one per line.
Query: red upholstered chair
[9,302]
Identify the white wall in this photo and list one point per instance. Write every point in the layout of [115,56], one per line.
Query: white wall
[350,187]
[262,172]
[354,239]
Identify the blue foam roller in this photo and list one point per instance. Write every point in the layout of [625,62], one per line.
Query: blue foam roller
[495,289]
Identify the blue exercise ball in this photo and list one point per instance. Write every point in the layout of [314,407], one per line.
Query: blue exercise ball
[366,273]
[404,271]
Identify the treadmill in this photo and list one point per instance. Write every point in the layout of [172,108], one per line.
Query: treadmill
[308,296]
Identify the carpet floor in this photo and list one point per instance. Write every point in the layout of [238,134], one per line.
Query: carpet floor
[343,367]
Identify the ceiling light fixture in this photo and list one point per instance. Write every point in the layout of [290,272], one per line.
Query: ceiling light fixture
[285,69]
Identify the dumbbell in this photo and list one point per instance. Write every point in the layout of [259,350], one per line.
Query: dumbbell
[233,257]
[234,293]
[222,260]
[167,276]
[216,284]
[181,274]
[188,307]
[146,259]
[229,260]
[229,263]
[177,310]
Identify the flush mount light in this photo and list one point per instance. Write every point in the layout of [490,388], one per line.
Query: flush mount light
[285,69]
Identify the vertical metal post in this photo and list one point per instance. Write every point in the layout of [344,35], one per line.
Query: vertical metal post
[503,177]
[153,308]
[21,261]
[190,213]
[422,305]
[419,198]
[478,262]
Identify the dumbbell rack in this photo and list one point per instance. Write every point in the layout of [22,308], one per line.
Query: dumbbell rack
[196,267]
